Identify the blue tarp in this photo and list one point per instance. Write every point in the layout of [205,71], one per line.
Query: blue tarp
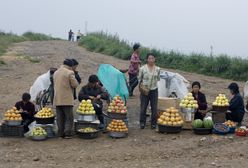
[113,80]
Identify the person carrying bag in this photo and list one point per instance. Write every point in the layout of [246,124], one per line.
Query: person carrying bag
[149,75]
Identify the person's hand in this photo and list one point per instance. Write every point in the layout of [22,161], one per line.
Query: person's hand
[91,97]
[98,97]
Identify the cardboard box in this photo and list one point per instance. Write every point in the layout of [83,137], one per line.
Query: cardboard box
[167,102]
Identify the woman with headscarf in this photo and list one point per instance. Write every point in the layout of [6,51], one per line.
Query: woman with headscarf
[236,104]
[201,100]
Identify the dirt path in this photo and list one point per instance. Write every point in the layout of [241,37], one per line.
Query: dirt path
[143,148]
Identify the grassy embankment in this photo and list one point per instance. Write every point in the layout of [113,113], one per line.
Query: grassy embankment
[7,39]
[221,66]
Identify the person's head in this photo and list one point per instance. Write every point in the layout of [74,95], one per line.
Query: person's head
[68,62]
[93,80]
[26,97]
[150,58]
[75,64]
[136,47]
[52,70]
[196,86]
[234,88]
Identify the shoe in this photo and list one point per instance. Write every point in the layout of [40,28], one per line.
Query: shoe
[153,127]
[101,126]
[142,126]
[67,137]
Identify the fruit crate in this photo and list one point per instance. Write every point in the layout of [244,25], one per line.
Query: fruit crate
[12,131]
[218,116]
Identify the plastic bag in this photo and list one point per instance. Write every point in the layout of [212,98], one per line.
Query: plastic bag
[113,81]
[172,83]
[246,90]
[41,83]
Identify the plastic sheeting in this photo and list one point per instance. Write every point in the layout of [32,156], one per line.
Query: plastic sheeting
[41,83]
[113,80]
[172,83]
[246,90]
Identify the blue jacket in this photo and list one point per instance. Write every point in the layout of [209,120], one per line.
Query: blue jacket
[237,108]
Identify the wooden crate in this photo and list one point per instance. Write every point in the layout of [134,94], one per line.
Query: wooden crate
[167,102]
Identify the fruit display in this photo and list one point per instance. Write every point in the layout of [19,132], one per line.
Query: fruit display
[12,115]
[86,108]
[87,130]
[188,102]
[38,131]
[221,101]
[230,124]
[45,113]
[170,117]
[241,131]
[117,126]
[117,106]
[206,123]
[198,123]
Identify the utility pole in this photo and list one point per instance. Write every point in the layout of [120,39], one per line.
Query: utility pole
[211,51]
[86,27]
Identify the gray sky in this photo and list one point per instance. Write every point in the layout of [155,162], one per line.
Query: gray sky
[183,25]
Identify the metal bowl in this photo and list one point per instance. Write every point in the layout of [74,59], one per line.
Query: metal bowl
[118,134]
[169,129]
[87,117]
[119,116]
[13,122]
[88,135]
[202,131]
[187,110]
[39,138]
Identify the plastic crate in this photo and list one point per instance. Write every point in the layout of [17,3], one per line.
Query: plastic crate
[12,131]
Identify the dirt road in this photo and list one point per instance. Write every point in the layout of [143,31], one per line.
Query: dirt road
[143,148]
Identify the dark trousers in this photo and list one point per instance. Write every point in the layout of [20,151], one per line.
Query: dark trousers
[198,115]
[26,120]
[99,114]
[133,82]
[144,101]
[64,120]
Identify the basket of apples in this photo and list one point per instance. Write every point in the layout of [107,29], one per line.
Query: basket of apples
[221,103]
[86,111]
[117,109]
[188,104]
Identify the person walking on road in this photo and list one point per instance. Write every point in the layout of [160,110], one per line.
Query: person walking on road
[64,84]
[134,68]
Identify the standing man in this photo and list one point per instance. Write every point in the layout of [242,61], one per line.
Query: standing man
[70,33]
[134,68]
[64,83]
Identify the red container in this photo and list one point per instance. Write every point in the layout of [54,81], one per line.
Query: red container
[241,133]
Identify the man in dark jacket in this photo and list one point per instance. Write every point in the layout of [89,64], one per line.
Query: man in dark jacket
[236,105]
[27,109]
[96,94]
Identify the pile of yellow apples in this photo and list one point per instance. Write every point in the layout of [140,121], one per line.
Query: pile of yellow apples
[189,102]
[86,108]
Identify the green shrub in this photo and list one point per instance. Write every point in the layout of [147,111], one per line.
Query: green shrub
[221,66]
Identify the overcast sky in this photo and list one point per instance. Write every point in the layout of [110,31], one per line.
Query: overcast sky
[184,25]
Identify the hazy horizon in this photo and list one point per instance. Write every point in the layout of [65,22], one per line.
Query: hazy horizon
[186,26]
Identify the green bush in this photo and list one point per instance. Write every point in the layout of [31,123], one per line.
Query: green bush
[221,65]
[6,39]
